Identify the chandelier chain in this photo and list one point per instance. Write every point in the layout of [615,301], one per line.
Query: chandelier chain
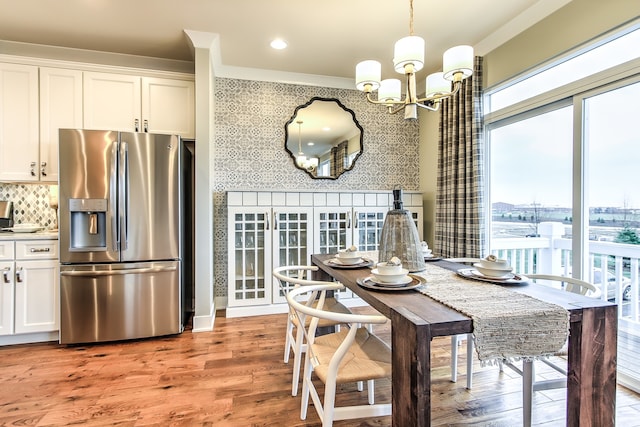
[410,17]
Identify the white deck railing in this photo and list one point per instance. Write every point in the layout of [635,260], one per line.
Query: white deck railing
[551,254]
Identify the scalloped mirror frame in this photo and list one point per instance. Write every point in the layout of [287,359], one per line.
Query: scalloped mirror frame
[328,112]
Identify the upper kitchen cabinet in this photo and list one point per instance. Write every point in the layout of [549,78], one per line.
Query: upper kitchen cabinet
[60,107]
[19,128]
[139,104]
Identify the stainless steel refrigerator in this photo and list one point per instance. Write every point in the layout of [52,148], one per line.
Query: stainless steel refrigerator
[120,242]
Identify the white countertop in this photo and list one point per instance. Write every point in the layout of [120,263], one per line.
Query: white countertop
[39,235]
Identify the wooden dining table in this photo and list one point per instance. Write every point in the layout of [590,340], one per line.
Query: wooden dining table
[416,319]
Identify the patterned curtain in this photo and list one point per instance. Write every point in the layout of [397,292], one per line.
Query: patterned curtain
[460,216]
[339,158]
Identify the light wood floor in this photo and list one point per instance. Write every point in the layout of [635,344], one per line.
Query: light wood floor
[233,376]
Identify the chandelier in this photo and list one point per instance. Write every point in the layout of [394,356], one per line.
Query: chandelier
[408,59]
[309,164]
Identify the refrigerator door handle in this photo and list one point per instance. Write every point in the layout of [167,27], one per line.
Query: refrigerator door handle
[124,196]
[115,224]
[118,272]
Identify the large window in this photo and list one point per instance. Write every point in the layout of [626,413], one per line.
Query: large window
[610,52]
[564,176]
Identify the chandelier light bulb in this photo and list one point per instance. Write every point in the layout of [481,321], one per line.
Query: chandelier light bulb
[458,59]
[408,50]
[436,84]
[390,90]
[368,73]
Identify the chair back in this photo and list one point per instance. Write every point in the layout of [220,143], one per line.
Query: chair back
[573,285]
[318,291]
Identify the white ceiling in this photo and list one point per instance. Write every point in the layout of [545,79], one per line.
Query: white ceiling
[326,37]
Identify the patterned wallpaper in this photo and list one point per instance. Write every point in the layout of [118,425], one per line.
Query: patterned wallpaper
[249,148]
[30,204]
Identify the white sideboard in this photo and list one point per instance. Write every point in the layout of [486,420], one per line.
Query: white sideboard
[271,229]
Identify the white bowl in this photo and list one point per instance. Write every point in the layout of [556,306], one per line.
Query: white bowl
[348,254]
[385,268]
[426,253]
[499,264]
[492,272]
[348,261]
[389,278]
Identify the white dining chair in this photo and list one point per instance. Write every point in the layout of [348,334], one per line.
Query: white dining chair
[354,354]
[529,382]
[290,277]
[527,371]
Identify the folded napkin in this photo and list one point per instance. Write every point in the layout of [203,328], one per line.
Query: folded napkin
[507,325]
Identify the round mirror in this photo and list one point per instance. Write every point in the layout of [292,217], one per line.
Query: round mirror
[323,138]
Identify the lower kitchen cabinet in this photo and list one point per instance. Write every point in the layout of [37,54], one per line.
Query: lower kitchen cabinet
[30,288]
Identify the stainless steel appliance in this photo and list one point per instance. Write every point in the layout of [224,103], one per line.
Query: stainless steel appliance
[6,214]
[120,242]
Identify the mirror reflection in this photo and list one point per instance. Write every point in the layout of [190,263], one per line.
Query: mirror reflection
[323,138]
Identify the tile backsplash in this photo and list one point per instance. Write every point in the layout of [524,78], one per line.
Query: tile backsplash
[30,204]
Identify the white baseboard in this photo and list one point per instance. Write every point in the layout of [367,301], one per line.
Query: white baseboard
[257,310]
[205,323]
[30,338]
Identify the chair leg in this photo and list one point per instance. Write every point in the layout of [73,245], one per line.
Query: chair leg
[287,338]
[454,358]
[527,391]
[329,403]
[306,377]
[371,390]
[298,349]
[469,361]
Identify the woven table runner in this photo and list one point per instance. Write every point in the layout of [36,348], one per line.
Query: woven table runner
[507,325]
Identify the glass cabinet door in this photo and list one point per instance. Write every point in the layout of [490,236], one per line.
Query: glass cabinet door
[368,224]
[250,274]
[292,242]
[332,230]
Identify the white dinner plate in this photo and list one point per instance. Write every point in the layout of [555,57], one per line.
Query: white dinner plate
[335,263]
[510,279]
[400,282]
[24,229]
[368,283]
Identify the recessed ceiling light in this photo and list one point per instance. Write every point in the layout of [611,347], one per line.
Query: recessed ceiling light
[310,143]
[326,128]
[278,44]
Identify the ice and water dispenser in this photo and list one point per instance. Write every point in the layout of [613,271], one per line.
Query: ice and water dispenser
[88,224]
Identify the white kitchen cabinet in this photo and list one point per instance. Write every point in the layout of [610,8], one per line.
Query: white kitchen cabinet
[19,126]
[30,288]
[60,107]
[6,297]
[36,296]
[345,219]
[139,104]
[292,241]
[260,238]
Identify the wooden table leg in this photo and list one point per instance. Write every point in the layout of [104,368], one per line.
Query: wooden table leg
[591,381]
[411,370]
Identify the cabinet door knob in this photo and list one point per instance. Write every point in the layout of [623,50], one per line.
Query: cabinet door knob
[146,125]
[33,168]
[19,274]
[43,168]
[136,125]
[5,274]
